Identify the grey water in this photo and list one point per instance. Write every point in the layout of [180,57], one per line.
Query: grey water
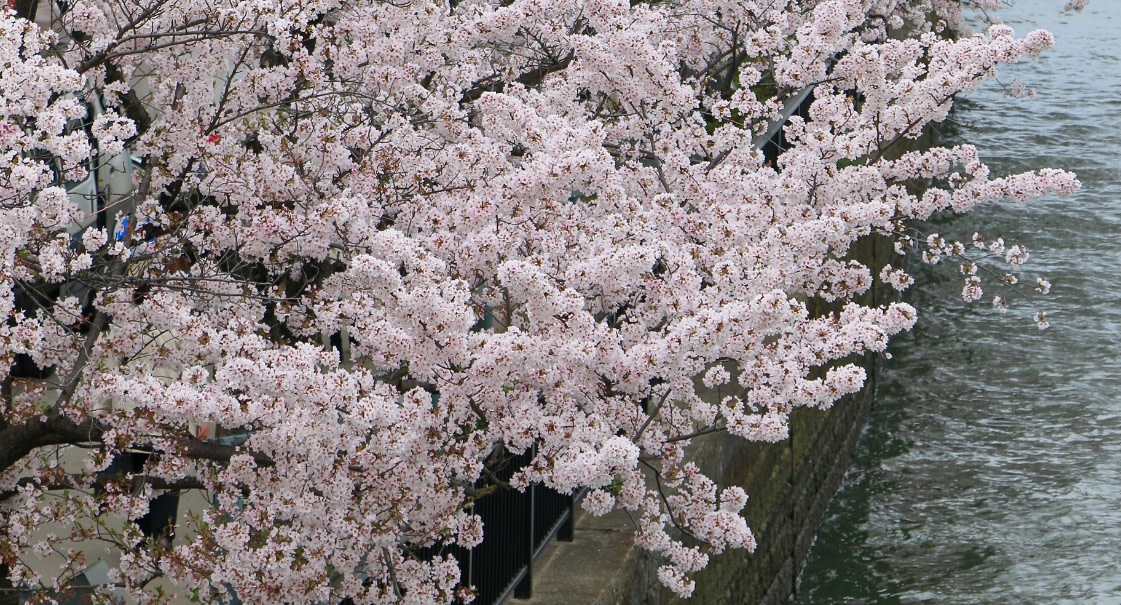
[990,471]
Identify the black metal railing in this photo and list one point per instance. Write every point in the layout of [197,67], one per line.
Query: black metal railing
[516,527]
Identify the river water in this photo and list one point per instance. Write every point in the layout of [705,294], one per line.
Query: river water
[990,471]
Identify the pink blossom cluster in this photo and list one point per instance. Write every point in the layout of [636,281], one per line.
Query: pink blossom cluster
[376,246]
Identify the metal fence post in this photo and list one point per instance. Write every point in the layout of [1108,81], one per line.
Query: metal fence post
[567,527]
[524,590]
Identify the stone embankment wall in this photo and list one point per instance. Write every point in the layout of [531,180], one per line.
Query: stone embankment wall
[789,485]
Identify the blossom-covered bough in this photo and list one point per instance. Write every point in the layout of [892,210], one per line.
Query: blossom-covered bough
[383,240]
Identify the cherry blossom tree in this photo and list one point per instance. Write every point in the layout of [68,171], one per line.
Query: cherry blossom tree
[381,243]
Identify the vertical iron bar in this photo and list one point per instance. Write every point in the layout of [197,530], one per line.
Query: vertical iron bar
[565,532]
[524,590]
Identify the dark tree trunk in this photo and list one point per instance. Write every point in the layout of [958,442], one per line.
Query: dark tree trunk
[8,594]
[25,9]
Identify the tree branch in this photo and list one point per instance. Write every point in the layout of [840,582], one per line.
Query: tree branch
[530,78]
[104,479]
[18,440]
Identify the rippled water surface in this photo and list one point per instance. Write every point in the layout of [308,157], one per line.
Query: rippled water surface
[991,469]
